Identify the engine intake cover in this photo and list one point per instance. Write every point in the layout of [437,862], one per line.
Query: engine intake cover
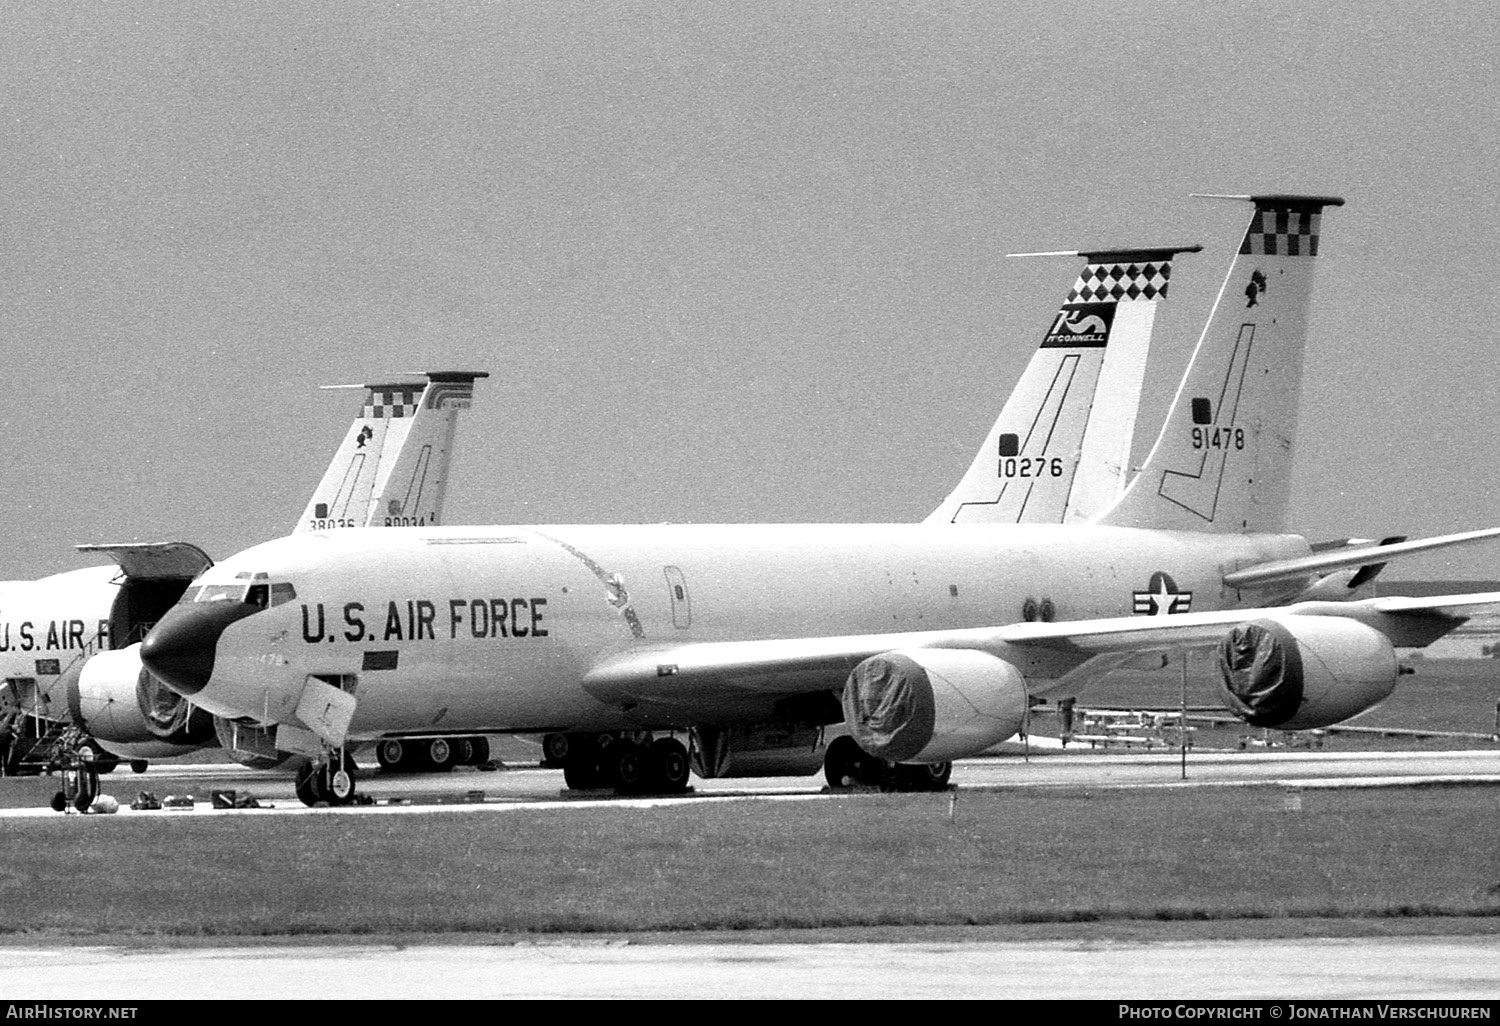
[117,700]
[1297,672]
[933,704]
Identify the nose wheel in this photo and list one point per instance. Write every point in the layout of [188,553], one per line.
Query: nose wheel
[330,781]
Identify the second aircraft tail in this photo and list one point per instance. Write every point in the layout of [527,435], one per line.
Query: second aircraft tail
[1060,447]
[392,468]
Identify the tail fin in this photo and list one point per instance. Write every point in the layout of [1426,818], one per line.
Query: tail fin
[1223,460]
[392,468]
[1063,439]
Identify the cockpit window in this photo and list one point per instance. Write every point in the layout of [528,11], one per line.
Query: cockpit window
[259,595]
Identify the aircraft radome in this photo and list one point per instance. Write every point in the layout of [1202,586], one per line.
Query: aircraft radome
[926,641]
[70,643]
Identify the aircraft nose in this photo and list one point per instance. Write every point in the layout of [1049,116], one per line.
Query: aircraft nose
[180,648]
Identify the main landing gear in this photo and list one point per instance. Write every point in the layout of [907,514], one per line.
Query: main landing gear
[329,781]
[630,764]
[847,765]
[429,755]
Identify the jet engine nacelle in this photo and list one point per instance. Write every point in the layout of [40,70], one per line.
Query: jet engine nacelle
[933,704]
[131,713]
[1298,672]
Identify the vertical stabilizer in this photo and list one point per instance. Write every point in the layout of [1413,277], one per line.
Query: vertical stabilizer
[1063,439]
[1223,460]
[392,468]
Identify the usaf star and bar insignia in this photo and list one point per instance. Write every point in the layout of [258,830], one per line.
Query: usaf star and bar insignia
[1162,597]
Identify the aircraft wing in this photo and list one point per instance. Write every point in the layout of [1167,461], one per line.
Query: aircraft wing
[1075,650]
[1321,562]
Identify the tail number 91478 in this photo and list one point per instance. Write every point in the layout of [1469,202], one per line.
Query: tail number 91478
[1218,438]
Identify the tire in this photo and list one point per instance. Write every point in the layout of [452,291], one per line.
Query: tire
[308,784]
[88,788]
[391,754]
[441,755]
[921,776]
[340,786]
[842,762]
[627,764]
[138,765]
[669,766]
[555,749]
[477,751]
[584,768]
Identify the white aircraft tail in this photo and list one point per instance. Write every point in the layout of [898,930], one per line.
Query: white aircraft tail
[392,468]
[1062,443]
[1223,460]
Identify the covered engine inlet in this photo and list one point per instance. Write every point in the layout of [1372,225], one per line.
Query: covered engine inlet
[932,704]
[130,712]
[1297,672]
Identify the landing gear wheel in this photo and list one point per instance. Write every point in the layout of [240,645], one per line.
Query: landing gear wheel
[555,749]
[440,755]
[584,768]
[392,755]
[328,783]
[845,764]
[921,776]
[668,764]
[627,767]
[472,750]
[138,765]
[88,787]
[307,786]
[341,784]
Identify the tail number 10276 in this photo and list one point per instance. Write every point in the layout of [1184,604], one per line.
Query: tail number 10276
[1030,466]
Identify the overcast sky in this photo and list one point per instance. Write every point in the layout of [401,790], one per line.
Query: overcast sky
[724,261]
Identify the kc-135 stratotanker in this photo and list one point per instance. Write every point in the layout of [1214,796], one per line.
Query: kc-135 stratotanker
[904,646]
[70,642]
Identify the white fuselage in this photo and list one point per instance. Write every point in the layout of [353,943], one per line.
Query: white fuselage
[494,629]
[49,625]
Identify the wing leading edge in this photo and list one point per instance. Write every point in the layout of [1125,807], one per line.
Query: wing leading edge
[1049,654]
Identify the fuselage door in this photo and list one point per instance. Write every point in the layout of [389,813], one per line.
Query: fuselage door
[682,611]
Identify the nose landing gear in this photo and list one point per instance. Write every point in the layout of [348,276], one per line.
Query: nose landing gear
[327,781]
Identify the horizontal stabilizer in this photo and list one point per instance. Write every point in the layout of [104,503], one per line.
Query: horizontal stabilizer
[1284,570]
